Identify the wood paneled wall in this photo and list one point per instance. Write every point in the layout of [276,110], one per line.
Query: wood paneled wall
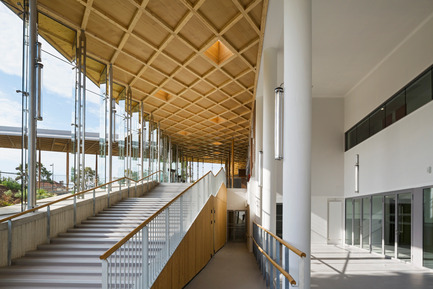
[206,236]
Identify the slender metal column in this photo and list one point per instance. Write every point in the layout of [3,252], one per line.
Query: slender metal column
[110,123]
[142,140]
[159,151]
[83,56]
[31,144]
[233,162]
[169,159]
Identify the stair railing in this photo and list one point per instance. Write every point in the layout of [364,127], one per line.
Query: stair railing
[106,186]
[137,260]
[270,250]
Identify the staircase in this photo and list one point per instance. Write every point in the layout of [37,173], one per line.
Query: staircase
[72,259]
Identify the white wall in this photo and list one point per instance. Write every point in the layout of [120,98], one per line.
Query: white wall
[327,162]
[412,57]
[398,156]
[394,159]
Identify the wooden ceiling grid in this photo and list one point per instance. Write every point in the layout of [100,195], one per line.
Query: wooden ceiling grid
[163,51]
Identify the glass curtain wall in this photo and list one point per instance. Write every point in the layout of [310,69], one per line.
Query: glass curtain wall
[428,228]
[134,137]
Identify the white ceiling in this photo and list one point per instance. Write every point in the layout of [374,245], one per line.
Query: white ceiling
[350,37]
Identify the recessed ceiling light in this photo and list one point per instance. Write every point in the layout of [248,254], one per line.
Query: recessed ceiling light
[184,133]
[162,95]
[217,120]
[218,52]
[217,143]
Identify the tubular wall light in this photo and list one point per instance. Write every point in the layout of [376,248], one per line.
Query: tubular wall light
[39,67]
[357,174]
[279,97]
[260,169]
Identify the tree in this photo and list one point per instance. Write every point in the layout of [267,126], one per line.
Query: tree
[45,174]
[89,176]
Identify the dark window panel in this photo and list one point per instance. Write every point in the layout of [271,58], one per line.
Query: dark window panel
[395,108]
[419,93]
[377,121]
[351,138]
[363,131]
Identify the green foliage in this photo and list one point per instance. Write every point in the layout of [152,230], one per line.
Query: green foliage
[11,184]
[42,194]
[8,193]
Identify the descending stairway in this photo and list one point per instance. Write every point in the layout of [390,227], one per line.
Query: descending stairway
[72,259]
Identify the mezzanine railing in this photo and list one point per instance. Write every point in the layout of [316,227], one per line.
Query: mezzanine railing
[270,250]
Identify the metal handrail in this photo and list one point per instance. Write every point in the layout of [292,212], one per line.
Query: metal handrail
[71,196]
[290,247]
[282,271]
[110,251]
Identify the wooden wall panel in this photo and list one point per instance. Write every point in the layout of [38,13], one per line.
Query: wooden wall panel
[197,247]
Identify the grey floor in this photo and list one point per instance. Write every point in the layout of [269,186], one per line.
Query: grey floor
[332,267]
[347,267]
[232,267]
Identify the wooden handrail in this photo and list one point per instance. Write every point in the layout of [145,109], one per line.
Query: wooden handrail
[147,221]
[287,275]
[295,250]
[70,196]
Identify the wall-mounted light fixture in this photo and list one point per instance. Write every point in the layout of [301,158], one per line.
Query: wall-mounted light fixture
[260,169]
[357,174]
[279,97]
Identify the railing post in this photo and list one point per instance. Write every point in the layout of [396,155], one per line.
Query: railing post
[129,183]
[104,274]
[271,267]
[75,210]
[135,189]
[120,187]
[286,266]
[94,202]
[48,223]
[108,194]
[301,269]
[145,257]
[9,242]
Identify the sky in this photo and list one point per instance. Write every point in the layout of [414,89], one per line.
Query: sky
[57,96]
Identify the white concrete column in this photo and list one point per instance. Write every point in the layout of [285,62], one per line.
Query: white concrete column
[297,131]
[257,199]
[268,191]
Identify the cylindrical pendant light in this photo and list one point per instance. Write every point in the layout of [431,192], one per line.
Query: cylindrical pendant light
[279,96]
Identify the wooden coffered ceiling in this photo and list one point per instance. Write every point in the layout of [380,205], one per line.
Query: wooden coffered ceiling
[193,63]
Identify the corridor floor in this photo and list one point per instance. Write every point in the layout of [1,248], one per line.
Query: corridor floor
[231,267]
[339,267]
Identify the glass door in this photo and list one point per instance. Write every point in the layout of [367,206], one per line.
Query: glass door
[376,224]
[356,222]
[389,223]
[366,223]
[348,221]
[428,228]
[404,225]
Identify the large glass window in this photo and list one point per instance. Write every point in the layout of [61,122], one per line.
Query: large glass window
[349,215]
[428,228]
[419,93]
[395,108]
[376,224]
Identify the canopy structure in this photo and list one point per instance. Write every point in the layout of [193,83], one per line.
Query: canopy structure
[193,63]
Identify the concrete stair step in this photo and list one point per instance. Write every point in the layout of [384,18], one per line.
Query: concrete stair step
[58,261]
